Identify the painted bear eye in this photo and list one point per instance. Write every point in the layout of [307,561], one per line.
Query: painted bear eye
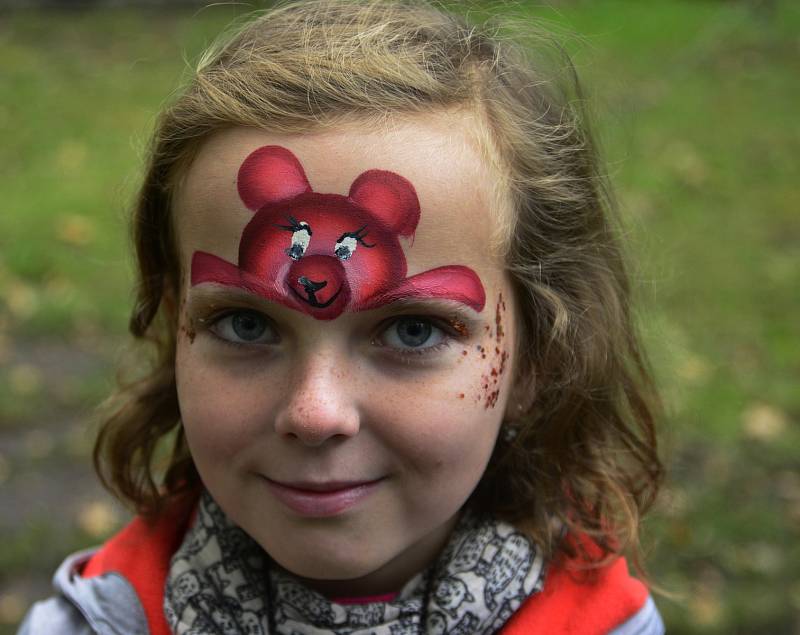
[301,237]
[300,240]
[345,247]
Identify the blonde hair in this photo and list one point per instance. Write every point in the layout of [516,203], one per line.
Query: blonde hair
[584,453]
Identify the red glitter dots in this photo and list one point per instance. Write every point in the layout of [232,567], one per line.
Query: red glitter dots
[490,382]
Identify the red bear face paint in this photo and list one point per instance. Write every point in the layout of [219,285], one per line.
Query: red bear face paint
[323,254]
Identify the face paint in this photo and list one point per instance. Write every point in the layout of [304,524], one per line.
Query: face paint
[323,254]
[490,382]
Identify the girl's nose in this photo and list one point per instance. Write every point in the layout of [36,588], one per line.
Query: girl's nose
[319,405]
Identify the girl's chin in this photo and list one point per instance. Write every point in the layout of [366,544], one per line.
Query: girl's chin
[340,579]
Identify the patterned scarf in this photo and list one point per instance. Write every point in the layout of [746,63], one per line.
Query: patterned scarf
[220,581]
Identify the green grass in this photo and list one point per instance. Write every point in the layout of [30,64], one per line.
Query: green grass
[697,106]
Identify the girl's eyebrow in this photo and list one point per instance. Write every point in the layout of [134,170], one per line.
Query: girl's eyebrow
[425,303]
[220,295]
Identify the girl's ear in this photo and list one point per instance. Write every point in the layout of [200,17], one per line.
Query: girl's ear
[389,197]
[268,175]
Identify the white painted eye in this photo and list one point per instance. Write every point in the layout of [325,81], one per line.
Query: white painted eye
[345,247]
[301,237]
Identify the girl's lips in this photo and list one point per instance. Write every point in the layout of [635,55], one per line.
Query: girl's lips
[318,500]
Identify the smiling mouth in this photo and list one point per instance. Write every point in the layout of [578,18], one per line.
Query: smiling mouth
[312,300]
[320,500]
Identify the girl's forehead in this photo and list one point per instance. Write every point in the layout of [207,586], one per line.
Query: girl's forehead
[440,156]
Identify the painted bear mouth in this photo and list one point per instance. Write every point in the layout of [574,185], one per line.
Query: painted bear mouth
[312,300]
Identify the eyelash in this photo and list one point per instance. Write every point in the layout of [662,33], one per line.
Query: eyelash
[449,331]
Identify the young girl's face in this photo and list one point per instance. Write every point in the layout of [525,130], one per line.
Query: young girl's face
[343,361]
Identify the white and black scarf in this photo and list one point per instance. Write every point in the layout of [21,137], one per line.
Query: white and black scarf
[220,582]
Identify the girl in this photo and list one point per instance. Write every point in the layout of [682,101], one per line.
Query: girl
[397,376]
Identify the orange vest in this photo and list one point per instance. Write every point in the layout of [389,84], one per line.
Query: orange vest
[142,551]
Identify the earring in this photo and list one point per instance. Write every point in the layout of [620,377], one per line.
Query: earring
[509,428]
[509,432]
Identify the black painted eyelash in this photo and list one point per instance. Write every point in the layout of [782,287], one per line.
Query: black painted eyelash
[359,235]
[295,226]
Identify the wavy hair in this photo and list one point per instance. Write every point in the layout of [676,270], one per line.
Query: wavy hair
[584,454]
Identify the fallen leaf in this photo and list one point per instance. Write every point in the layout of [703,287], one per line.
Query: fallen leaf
[12,608]
[21,299]
[24,379]
[75,230]
[763,422]
[98,519]
[59,286]
[705,609]
[694,369]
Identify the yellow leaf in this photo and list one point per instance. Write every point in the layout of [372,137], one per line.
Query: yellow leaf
[98,519]
[24,379]
[75,230]
[21,299]
[763,422]
[12,608]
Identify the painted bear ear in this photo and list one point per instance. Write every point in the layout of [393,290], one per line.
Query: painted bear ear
[390,197]
[270,174]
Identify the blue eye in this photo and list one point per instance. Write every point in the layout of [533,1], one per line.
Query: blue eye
[413,333]
[245,327]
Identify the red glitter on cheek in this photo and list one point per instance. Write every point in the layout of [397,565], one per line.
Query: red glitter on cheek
[459,327]
[498,318]
[490,382]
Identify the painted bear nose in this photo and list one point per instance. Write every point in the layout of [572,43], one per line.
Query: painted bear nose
[319,281]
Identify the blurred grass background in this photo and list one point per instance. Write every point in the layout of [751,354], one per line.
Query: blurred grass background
[697,106]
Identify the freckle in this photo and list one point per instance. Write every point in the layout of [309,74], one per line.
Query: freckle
[461,395]
[483,355]
[496,351]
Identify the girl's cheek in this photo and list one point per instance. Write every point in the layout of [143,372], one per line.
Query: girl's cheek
[214,411]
